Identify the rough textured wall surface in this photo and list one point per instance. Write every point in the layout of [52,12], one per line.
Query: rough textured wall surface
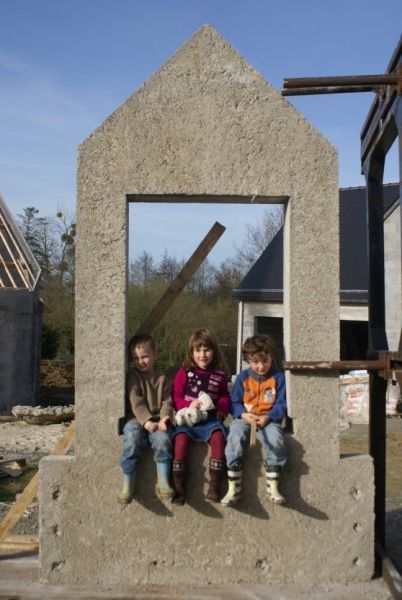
[207,123]
[392,260]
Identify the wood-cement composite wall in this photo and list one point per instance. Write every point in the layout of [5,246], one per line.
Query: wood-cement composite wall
[207,124]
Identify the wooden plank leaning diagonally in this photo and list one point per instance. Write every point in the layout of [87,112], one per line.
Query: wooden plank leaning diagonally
[29,493]
[177,286]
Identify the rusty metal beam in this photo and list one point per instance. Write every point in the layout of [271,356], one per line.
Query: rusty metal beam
[381,84]
[335,365]
[342,80]
[313,91]
[388,364]
[392,66]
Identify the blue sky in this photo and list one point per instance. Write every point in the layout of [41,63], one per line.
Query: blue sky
[65,65]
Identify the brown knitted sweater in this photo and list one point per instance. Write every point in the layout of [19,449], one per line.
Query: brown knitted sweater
[149,396]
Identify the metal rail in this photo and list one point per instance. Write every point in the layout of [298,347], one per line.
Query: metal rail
[388,365]
[343,84]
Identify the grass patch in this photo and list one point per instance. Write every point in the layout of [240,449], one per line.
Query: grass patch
[10,486]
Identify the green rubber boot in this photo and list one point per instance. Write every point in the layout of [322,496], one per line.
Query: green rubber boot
[163,488]
[127,492]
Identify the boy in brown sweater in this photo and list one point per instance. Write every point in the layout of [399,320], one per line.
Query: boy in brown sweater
[150,414]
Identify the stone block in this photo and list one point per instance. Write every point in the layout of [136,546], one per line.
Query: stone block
[321,534]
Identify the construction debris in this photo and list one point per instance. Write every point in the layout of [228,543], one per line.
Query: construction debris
[12,467]
[44,415]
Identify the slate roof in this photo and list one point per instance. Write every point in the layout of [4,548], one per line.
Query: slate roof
[264,281]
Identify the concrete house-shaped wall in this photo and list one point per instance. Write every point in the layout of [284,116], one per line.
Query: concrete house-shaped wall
[206,126]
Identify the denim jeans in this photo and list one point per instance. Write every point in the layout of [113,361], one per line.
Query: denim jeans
[136,439]
[272,440]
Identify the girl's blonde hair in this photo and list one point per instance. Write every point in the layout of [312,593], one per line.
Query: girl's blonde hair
[204,337]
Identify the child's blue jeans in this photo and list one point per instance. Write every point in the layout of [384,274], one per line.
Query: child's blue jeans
[271,437]
[136,439]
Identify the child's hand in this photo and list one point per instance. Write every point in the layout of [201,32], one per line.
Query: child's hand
[150,426]
[248,417]
[195,404]
[261,421]
[162,425]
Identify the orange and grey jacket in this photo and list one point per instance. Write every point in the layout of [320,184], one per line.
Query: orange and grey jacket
[259,394]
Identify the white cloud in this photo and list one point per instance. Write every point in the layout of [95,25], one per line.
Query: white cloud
[32,94]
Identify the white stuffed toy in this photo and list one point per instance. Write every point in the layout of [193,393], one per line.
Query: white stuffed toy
[191,415]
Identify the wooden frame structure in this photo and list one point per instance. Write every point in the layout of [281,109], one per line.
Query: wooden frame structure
[18,268]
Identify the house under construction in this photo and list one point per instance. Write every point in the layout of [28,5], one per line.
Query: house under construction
[20,317]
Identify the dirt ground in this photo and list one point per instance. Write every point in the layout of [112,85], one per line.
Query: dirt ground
[355,441]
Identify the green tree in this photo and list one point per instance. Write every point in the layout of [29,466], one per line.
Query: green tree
[52,241]
[50,341]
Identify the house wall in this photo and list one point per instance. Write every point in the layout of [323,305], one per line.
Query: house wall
[392,260]
[250,311]
[20,344]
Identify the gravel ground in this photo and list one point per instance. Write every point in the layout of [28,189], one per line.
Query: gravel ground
[20,440]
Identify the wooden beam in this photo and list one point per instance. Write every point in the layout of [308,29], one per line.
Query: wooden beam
[176,287]
[31,490]
[206,199]
[253,433]
[6,244]
[25,543]
[20,258]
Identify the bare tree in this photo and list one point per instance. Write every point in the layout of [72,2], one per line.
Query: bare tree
[226,277]
[168,267]
[66,230]
[257,237]
[143,269]
[39,232]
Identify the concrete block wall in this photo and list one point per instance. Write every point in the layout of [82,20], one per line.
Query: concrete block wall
[20,325]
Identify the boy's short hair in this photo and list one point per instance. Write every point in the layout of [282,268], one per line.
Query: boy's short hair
[141,338]
[257,345]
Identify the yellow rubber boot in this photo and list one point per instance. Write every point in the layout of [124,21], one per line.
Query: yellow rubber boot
[272,488]
[234,491]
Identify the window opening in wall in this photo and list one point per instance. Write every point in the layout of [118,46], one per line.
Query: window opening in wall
[273,326]
[163,233]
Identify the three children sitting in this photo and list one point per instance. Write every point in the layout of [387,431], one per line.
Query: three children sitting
[258,400]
